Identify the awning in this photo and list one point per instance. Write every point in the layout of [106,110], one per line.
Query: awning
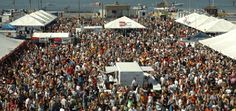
[8,27]
[92,27]
[50,35]
[147,68]
[110,69]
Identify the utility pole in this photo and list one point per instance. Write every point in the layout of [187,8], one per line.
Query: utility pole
[212,2]
[14,4]
[38,3]
[41,4]
[102,9]
[79,7]
[30,2]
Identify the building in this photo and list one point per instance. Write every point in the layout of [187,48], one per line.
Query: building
[138,11]
[117,10]
[4,19]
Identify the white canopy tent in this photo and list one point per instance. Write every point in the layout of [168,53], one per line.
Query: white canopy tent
[202,19]
[47,14]
[50,35]
[7,45]
[206,24]
[186,20]
[224,43]
[219,25]
[124,23]
[38,18]
[27,20]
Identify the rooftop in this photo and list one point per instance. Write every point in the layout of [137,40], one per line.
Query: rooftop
[128,67]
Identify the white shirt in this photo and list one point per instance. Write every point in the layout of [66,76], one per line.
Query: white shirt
[27,102]
[162,80]
[134,83]
[132,109]
[111,78]
[63,102]
[150,99]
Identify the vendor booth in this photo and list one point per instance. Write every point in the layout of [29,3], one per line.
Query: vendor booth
[54,37]
[126,72]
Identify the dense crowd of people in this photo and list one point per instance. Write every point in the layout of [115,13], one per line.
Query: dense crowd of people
[58,77]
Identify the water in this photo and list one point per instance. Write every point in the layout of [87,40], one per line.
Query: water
[87,5]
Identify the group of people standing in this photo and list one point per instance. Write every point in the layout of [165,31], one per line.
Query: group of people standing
[59,77]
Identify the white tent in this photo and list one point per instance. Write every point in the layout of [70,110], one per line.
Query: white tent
[50,35]
[123,23]
[47,14]
[206,24]
[27,20]
[38,18]
[7,45]
[224,43]
[188,19]
[202,19]
[219,25]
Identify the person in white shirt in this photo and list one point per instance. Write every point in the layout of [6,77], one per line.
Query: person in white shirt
[27,103]
[132,108]
[63,102]
[150,99]
[134,84]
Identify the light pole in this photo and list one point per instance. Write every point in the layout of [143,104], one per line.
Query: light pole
[102,9]
[14,4]
[79,7]
[30,4]
[41,4]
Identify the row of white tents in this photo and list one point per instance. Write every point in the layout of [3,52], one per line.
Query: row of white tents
[206,24]
[224,43]
[120,23]
[36,19]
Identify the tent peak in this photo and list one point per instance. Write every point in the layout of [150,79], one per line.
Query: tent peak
[124,23]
